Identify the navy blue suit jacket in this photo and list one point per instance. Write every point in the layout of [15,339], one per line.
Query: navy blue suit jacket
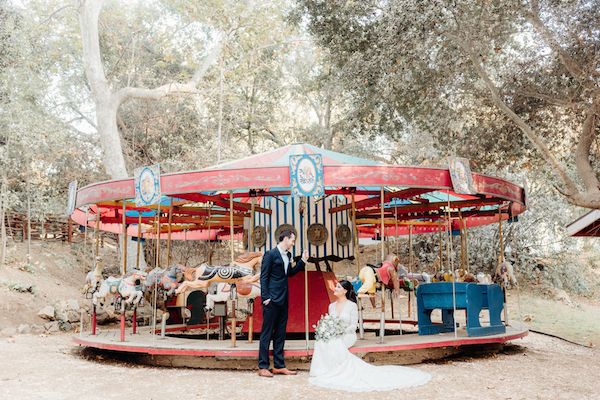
[273,279]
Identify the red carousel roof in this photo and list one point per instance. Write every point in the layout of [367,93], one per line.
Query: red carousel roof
[418,196]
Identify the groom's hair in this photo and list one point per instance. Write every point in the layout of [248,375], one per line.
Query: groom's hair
[285,233]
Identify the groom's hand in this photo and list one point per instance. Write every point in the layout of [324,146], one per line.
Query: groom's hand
[305,255]
[266,302]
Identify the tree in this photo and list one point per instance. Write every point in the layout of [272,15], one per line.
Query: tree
[107,99]
[497,77]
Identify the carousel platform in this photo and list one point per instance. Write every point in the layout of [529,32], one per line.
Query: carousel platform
[190,350]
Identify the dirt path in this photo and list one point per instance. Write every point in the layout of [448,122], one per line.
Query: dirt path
[33,367]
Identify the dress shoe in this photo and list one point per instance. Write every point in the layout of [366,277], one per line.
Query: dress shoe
[265,373]
[283,371]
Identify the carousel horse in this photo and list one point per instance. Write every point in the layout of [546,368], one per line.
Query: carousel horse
[167,279]
[465,276]
[387,274]
[202,276]
[128,288]
[483,278]
[443,276]
[247,290]
[93,279]
[505,275]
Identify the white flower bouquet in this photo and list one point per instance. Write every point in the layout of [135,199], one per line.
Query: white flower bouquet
[329,327]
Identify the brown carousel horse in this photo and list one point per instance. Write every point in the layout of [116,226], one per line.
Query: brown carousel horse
[239,272]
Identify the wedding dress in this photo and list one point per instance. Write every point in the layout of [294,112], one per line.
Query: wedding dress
[335,367]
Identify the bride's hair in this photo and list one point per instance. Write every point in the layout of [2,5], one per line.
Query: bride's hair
[350,294]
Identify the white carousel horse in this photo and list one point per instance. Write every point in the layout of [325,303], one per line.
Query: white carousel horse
[127,287]
[94,278]
[202,276]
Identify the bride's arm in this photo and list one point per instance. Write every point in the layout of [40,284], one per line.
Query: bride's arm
[353,323]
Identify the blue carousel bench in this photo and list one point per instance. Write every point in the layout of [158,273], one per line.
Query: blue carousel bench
[471,297]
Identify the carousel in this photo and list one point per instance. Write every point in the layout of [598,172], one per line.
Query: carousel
[210,315]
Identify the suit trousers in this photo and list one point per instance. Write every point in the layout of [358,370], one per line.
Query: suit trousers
[274,325]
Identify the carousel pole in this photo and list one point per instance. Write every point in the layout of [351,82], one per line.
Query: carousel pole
[441,255]
[396,230]
[139,241]
[382,315]
[158,228]
[97,233]
[233,294]
[451,264]
[501,260]
[304,222]
[97,257]
[157,265]
[462,242]
[85,231]
[124,252]
[251,249]
[124,266]
[169,234]
[397,255]
[410,261]
[355,238]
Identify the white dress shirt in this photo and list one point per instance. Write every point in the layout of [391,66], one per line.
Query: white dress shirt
[286,260]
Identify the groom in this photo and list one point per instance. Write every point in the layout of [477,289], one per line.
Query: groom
[275,270]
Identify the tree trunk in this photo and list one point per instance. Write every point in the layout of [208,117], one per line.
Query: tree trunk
[3,228]
[110,139]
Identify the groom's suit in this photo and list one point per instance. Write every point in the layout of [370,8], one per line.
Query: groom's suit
[274,287]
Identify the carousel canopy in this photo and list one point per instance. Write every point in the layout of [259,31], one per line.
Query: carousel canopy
[196,204]
[586,225]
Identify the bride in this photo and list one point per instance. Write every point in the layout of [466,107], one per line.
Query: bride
[334,367]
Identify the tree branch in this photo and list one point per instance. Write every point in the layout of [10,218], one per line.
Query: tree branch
[582,153]
[548,98]
[569,63]
[82,115]
[558,168]
[189,87]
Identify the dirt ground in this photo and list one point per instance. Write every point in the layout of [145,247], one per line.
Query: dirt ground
[537,367]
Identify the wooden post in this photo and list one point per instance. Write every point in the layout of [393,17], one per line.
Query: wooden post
[169,234]
[134,321]
[124,252]
[355,236]
[94,320]
[69,230]
[3,238]
[250,320]
[28,224]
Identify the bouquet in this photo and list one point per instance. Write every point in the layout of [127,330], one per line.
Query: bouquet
[329,327]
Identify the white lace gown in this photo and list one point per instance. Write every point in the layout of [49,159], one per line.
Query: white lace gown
[334,367]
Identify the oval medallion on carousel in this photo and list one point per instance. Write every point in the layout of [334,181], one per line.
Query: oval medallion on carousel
[259,236]
[343,234]
[317,234]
